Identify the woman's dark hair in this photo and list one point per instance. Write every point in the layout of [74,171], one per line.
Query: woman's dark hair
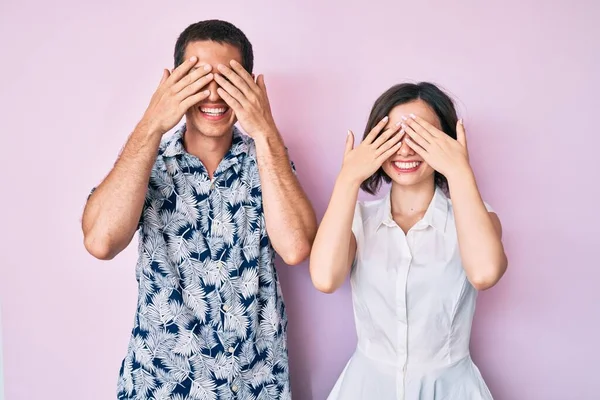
[217,31]
[404,93]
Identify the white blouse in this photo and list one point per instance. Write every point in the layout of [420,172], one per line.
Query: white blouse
[413,308]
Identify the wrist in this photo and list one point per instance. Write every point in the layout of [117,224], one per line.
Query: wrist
[267,139]
[149,127]
[347,179]
[460,174]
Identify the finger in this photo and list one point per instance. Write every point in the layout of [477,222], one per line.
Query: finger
[195,99]
[461,135]
[416,137]
[231,90]
[260,82]
[195,74]
[428,127]
[381,139]
[349,142]
[183,69]
[230,100]
[242,73]
[194,87]
[389,152]
[390,143]
[424,132]
[235,79]
[376,129]
[165,76]
[418,149]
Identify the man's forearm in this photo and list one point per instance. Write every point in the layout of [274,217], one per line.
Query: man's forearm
[112,212]
[290,218]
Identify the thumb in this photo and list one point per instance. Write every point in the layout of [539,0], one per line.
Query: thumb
[349,142]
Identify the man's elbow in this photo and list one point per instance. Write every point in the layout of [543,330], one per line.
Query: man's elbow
[100,248]
[297,254]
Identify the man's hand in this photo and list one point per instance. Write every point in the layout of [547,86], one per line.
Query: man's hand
[247,98]
[176,93]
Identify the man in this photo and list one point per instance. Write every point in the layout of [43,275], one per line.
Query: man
[212,207]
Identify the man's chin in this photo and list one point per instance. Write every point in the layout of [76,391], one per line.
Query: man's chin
[211,129]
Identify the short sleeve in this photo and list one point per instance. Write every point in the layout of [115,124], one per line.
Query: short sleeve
[292,163]
[357,230]
[91,193]
[488,207]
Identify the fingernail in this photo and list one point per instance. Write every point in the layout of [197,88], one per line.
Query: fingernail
[385,118]
[404,118]
[398,123]
[460,121]
[348,132]
[401,131]
[207,67]
[413,116]
[193,58]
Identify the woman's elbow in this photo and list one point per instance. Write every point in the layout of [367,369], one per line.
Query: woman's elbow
[487,280]
[324,286]
[323,282]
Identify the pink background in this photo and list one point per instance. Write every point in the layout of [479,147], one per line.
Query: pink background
[76,77]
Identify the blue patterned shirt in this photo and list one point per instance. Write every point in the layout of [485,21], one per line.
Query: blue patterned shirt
[210,321]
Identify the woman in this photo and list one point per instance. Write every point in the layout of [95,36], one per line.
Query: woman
[416,258]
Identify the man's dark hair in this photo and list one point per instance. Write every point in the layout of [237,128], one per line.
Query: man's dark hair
[216,31]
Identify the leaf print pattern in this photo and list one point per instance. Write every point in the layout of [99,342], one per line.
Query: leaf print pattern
[210,322]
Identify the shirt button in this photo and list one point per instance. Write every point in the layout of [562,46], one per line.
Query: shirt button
[231,350]
[234,388]
[225,307]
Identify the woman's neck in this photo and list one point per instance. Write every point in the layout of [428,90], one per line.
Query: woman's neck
[407,201]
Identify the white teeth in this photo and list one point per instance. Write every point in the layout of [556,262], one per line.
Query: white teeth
[407,165]
[213,111]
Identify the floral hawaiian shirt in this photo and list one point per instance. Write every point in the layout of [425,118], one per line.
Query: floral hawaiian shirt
[210,321]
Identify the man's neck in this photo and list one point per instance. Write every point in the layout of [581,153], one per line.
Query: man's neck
[209,150]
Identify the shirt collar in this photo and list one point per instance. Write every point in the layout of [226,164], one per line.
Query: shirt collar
[173,146]
[435,216]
